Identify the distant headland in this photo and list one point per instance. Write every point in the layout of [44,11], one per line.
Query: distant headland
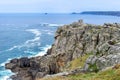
[110,13]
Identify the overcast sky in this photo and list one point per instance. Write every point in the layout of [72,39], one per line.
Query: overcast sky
[58,6]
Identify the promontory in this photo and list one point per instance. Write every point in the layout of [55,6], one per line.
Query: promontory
[80,51]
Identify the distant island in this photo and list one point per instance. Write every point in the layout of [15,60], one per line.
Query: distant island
[111,13]
[75,13]
[45,13]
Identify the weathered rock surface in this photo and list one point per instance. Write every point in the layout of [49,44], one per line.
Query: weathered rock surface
[71,42]
[107,55]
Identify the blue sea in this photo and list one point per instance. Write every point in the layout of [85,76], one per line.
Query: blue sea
[31,34]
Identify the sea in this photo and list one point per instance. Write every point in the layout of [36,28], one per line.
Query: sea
[31,34]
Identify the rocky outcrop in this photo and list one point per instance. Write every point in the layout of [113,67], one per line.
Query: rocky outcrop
[72,41]
[33,68]
[107,55]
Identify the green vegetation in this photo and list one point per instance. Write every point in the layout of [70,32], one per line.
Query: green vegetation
[78,62]
[93,68]
[108,74]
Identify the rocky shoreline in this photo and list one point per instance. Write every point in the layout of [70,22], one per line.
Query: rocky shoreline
[72,41]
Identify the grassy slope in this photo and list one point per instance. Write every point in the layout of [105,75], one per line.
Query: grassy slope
[78,62]
[108,74]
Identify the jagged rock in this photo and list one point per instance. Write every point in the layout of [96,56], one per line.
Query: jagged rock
[24,62]
[49,51]
[109,55]
[10,65]
[71,42]
[14,61]
[39,75]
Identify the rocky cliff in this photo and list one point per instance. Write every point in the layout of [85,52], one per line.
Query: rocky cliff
[101,44]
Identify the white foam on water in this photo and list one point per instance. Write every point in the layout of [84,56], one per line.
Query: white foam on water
[36,39]
[44,50]
[50,25]
[3,64]
[5,78]
[34,31]
[33,40]
[5,75]
[49,32]
[10,49]
[29,43]
[55,25]
[30,52]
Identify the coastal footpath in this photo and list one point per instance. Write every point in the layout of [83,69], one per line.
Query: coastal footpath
[80,50]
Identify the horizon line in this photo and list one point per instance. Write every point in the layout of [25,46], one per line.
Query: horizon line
[58,12]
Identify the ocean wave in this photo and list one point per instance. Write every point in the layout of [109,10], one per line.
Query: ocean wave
[5,74]
[30,52]
[32,40]
[55,24]
[5,78]
[3,64]
[51,25]
[43,50]
[34,31]
[10,49]
[35,41]
[29,43]
[49,32]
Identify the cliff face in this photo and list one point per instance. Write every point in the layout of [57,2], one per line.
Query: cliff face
[78,39]
[71,42]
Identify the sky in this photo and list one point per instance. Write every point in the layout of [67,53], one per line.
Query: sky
[57,6]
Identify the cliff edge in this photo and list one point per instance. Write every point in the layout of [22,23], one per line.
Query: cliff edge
[78,48]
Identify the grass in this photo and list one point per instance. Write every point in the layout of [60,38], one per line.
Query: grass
[54,78]
[78,62]
[112,73]
[109,74]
